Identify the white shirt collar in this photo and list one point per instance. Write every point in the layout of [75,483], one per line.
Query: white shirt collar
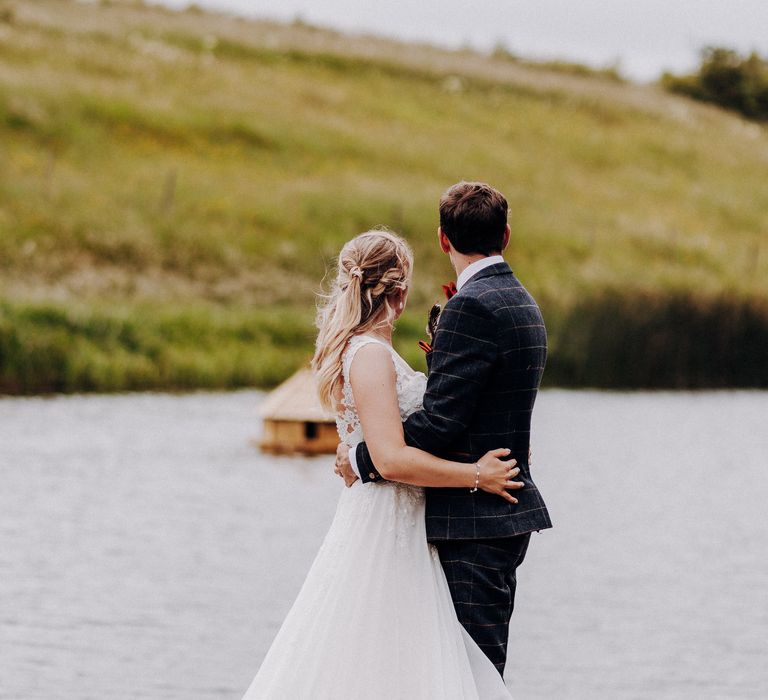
[473,268]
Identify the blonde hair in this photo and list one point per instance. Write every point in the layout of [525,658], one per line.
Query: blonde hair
[372,267]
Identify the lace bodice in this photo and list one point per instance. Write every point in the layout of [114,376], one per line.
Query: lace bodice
[410,390]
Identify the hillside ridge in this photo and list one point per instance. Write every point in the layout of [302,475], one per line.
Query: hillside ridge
[211,26]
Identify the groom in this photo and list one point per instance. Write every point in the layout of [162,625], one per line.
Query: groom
[485,367]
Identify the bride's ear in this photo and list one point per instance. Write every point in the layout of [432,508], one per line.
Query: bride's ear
[398,301]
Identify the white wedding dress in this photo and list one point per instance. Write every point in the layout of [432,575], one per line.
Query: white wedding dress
[374,619]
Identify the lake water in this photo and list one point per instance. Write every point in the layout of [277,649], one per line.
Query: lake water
[148,550]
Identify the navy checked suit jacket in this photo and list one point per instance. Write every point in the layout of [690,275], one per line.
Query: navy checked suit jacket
[485,368]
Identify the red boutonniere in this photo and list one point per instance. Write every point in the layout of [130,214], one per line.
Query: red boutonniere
[434,316]
[450,289]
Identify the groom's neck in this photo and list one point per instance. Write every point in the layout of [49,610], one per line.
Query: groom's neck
[461,262]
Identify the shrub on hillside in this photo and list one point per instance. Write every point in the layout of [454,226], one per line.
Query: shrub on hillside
[642,340]
[727,79]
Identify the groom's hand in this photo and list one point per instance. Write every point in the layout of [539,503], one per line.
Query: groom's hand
[343,467]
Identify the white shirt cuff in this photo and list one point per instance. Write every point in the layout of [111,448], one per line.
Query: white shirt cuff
[353,458]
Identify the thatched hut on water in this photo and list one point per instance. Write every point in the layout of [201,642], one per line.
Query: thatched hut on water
[294,420]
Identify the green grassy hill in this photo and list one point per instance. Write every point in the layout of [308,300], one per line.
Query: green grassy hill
[173,186]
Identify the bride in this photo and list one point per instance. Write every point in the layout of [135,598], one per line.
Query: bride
[374,619]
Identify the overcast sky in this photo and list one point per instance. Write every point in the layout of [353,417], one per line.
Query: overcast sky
[644,36]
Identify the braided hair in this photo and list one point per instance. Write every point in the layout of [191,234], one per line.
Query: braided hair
[372,268]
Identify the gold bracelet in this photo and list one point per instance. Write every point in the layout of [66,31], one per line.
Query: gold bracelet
[477,478]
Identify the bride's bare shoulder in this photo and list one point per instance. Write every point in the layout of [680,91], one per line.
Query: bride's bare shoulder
[372,363]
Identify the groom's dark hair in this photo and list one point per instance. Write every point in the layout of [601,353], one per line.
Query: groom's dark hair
[473,216]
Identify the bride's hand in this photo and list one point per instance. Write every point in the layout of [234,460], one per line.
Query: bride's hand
[497,476]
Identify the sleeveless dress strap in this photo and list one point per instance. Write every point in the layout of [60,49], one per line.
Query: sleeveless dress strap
[347,419]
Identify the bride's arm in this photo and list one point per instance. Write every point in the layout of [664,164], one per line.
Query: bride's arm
[373,380]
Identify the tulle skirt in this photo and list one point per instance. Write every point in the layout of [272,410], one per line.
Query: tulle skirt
[374,619]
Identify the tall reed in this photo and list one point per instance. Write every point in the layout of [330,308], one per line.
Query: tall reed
[621,340]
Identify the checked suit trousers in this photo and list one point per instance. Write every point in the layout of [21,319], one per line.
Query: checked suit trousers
[482,577]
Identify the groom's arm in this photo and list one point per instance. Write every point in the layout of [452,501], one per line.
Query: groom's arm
[463,353]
